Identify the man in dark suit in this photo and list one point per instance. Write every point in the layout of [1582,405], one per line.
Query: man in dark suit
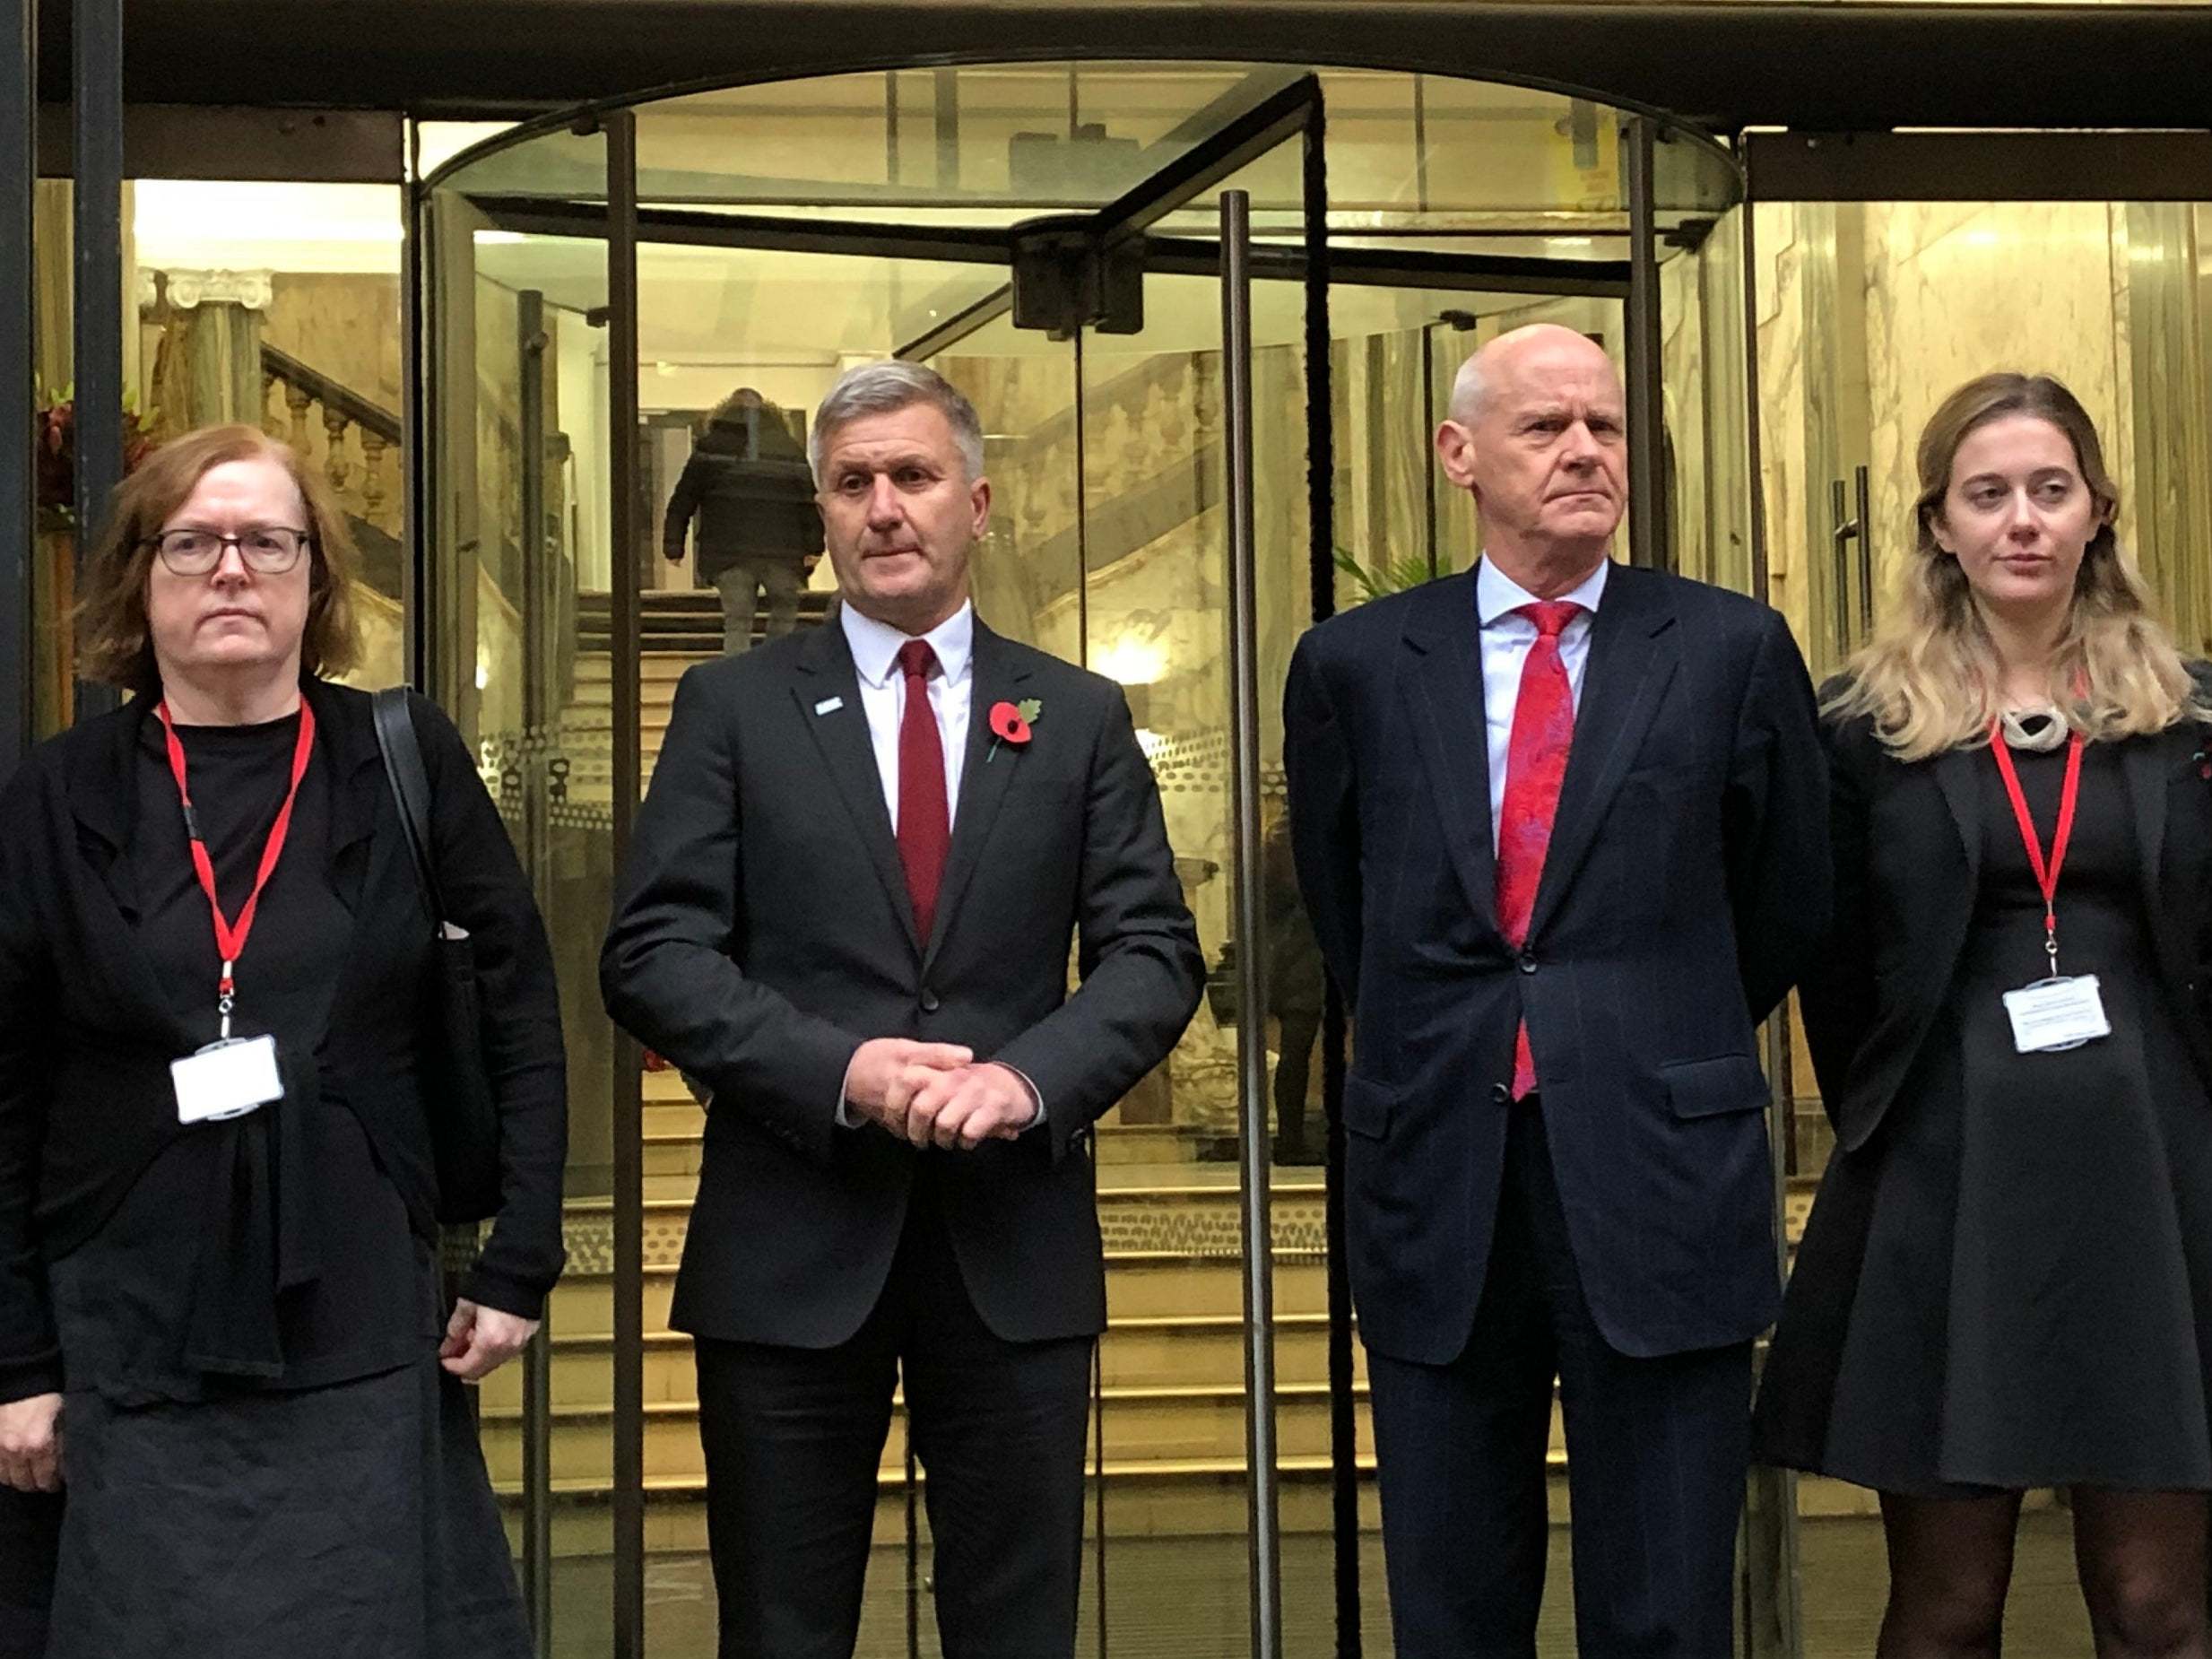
[1560,825]
[848,913]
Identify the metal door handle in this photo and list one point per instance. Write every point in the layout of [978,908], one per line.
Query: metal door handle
[1841,530]
[1865,524]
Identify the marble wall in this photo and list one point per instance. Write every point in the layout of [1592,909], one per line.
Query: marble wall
[1870,314]
[1955,289]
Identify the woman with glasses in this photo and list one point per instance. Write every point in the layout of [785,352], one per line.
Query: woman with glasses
[2006,1282]
[223,1336]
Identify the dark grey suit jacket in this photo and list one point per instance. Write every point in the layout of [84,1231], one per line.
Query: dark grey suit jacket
[763,931]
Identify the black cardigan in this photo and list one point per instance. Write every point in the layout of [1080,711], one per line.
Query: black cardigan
[85,1045]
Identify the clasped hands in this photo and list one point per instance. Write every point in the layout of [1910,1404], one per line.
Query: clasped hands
[31,1443]
[935,1094]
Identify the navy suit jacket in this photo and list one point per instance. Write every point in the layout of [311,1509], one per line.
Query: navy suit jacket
[1685,887]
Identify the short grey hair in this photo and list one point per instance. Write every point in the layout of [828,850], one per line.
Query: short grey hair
[1470,387]
[878,388]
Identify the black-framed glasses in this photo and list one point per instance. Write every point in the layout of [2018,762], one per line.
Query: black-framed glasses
[268,550]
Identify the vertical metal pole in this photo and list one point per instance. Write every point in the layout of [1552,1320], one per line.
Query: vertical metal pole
[1251,932]
[1083,498]
[911,1489]
[417,464]
[1099,1534]
[1773,1621]
[625,603]
[19,481]
[1646,403]
[1321,578]
[97,163]
[537,1379]
[1761,571]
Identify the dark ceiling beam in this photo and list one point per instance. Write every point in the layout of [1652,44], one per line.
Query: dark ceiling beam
[1826,65]
[1980,167]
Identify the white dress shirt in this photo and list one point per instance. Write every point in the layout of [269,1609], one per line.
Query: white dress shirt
[875,648]
[1505,641]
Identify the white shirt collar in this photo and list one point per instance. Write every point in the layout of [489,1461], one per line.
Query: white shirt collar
[1498,595]
[875,644]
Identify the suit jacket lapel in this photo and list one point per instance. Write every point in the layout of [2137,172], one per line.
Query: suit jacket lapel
[825,672]
[1632,659]
[996,673]
[1957,777]
[2148,764]
[1441,681]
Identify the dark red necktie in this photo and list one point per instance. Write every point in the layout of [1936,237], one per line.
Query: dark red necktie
[924,819]
[1543,731]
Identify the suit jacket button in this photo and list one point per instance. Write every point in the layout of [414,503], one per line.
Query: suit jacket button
[1502,1093]
[1528,961]
[930,1004]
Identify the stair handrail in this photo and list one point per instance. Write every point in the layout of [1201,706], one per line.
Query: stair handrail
[335,397]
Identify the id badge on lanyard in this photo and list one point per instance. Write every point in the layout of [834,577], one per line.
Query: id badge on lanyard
[232,1075]
[2057,1012]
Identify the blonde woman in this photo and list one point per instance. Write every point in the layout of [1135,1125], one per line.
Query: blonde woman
[2006,1283]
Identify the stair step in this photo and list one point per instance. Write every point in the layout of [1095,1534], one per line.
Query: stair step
[1141,1284]
[1135,1353]
[1141,1427]
[1189,1500]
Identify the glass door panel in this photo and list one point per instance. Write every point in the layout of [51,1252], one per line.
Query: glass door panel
[520,521]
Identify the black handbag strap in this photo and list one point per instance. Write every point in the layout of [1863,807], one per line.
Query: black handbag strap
[411,784]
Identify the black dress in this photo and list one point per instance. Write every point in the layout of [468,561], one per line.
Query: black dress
[252,1473]
[2009,1285]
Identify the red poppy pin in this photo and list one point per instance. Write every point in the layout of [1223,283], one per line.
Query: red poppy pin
[1010,723]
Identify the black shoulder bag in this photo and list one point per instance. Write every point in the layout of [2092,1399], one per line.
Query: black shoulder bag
[457,1099]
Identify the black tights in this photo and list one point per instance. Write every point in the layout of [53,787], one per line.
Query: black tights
[2140,1555]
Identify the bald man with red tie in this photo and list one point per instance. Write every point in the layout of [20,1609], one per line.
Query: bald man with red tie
[1561,827]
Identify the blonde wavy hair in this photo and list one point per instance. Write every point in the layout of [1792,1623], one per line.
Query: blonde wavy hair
[1929,678]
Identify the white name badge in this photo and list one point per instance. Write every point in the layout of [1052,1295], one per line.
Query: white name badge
[226,1080]
[2057,1013]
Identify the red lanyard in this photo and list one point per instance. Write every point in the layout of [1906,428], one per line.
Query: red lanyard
[230,936]
[2046,874]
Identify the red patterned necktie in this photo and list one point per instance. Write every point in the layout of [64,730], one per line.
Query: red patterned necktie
[924,819]
[1543,731]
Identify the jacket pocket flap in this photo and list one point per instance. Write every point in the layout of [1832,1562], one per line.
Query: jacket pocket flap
[1367,1106]
[1708,1088]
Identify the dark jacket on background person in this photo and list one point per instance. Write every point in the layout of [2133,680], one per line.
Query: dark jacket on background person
[753,494]
[86,1099]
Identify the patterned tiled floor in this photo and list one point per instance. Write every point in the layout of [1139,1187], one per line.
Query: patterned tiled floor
[1185,1599]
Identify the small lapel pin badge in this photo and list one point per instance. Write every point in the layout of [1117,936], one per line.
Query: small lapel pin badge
[829,705]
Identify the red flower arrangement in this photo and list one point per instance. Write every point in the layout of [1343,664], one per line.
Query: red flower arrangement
[57,435]
[1010,723]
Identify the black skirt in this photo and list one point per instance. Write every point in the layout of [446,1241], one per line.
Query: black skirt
[350,1522]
